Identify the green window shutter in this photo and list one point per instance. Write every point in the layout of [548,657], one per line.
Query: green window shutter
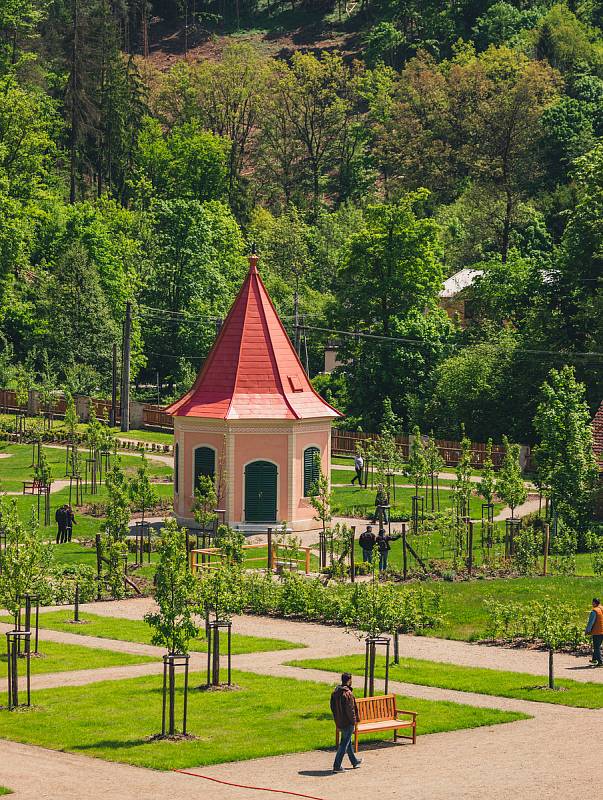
[205,463]
[311,471]
[176,466]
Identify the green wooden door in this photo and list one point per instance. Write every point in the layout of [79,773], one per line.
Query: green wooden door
[205,463]
[260,492]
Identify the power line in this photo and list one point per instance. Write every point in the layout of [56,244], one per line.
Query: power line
[404,340]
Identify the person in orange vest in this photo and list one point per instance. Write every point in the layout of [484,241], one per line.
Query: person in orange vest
[594,628]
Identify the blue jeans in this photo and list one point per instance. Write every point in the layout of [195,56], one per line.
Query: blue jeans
[345,746]
[383,560]
[367,555]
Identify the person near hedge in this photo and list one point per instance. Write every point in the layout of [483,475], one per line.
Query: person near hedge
[381,505]
[358,466]
[367,543]
[60,517]
[384,546]
[594,628]
[345,714]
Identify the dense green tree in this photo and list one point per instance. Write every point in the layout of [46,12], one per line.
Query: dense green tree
[390,276]
[567,468]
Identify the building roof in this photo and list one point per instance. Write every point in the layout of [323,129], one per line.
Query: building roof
[459,281]
[252,372]
[598,436]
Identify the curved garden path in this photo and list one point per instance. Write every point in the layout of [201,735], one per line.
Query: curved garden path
[550,755]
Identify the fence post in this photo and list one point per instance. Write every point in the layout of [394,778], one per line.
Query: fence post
[404,554]
[352,555]
[547,541]
[307,560]
[470,549]
[270,558]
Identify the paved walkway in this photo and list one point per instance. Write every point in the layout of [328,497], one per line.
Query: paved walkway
[498,762]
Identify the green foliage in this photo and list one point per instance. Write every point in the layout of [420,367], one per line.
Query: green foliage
[321,495]
[567,469]
[487,484]
[220,591]
[175,590]
[509,481]
[116,529]
[205,502]
[142,492]
[25,561]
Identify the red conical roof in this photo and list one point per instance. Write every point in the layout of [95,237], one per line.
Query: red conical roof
[252,371]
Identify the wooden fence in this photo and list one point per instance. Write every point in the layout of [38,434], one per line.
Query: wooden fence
[343,443]
[155,417]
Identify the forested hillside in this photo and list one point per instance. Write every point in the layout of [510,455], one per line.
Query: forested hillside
[369,149]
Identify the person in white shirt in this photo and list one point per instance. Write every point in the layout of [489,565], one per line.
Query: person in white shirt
[358,466]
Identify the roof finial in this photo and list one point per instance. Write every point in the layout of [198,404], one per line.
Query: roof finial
[253,259]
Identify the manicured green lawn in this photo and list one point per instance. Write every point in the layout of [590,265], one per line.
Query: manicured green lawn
[464,601]
[267,716]
[129,630]
[360,502]
[18,466]
[15,469]
[518,685]
[58,657]
[146,436]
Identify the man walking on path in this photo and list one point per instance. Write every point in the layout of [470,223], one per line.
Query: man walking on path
[345,714]
[358,466]
[594,628]
[367,543]
[384,546]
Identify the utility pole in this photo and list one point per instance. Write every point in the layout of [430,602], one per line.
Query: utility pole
[158,392]
[125,371]
[296,317]
[112,418]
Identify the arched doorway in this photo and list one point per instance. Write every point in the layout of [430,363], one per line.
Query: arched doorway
[260,491]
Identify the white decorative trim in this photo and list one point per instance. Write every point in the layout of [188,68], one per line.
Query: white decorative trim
[291,448]
[230,475]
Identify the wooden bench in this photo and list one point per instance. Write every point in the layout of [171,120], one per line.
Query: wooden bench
[31,487]
[380,714]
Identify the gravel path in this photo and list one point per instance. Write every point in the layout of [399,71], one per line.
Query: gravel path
[521,758]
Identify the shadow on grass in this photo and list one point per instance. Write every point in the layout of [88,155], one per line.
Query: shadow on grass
[112,744]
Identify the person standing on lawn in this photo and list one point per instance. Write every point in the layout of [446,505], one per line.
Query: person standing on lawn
[381,505]
[358,466]
[367,543]
[594,628]
[384,546]
[345,714]
[60,517]
[70,522]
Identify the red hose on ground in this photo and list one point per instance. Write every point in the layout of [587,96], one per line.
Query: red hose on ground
[242,786]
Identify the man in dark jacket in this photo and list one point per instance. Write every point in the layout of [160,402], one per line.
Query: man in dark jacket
[345,714]
[367,543]
[70,522]
[383,546]
[60,518]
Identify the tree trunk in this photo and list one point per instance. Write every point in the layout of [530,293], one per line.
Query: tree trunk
[215,667]
[551,669]
[372,650]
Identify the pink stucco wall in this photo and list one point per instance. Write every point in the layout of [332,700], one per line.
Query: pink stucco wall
[284,446]
[302,509]
[189,441]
